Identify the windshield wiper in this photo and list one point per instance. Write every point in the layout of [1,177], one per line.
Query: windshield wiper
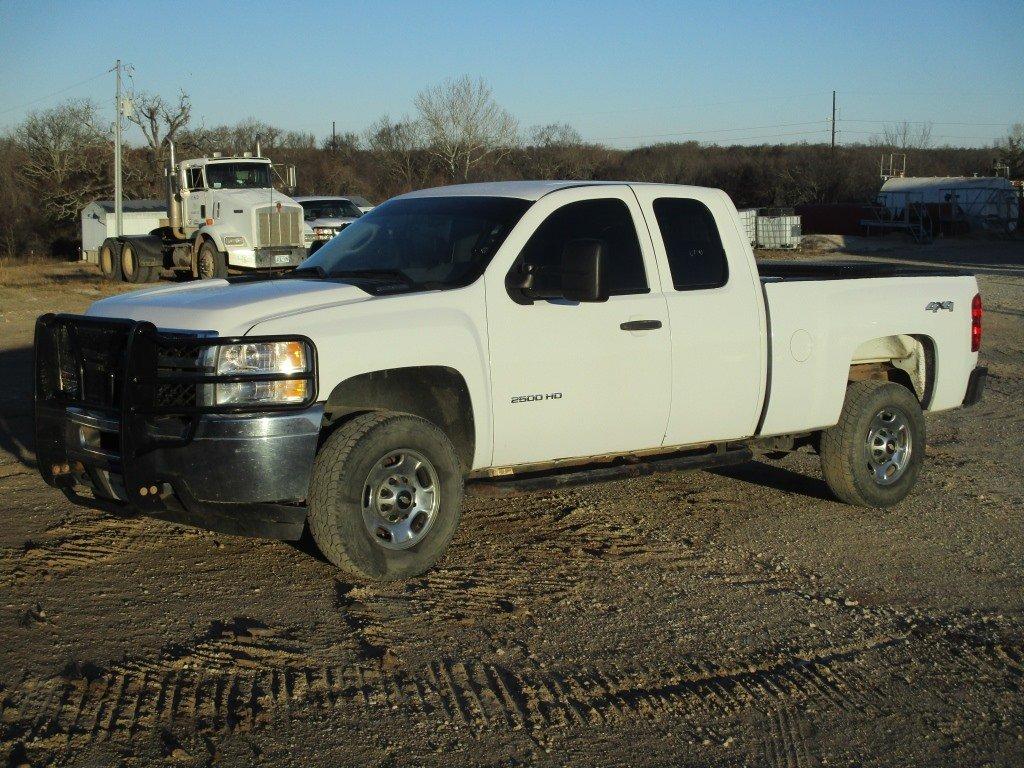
[376,274]
[315,271]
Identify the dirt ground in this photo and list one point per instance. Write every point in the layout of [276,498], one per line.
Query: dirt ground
[737,618]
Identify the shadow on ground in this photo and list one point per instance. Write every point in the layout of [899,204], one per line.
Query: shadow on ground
[779,478]
[16,430]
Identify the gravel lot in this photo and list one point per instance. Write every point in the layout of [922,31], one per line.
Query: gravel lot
[738,617]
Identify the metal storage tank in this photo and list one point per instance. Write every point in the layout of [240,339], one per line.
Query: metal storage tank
[982,202]
[138,217]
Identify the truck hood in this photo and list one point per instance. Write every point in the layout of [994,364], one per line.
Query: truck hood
[339,221]
[253,198]
[230,309]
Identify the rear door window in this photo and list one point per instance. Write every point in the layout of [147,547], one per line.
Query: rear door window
[693,245]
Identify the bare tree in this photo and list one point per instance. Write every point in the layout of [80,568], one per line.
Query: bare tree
[16,210]
[398,146]
[346,143]
[66,154]
[557,151]
[1011,149]
[464,125]
[159,121]
[907,135]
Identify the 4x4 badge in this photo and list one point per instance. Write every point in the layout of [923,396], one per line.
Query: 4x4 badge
[935,306]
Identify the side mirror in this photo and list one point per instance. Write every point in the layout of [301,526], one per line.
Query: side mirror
[583,270]
[519,283]
[292,178]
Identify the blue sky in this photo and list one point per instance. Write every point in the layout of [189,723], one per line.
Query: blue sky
[622,73]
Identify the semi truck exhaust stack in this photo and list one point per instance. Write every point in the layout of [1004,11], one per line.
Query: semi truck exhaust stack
[174,195]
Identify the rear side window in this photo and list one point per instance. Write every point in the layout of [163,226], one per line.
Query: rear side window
[692,243]
[608,220]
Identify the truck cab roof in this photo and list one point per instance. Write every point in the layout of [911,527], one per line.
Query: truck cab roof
[193,162]
[525,190]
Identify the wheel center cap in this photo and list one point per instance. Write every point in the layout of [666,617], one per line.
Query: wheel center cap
[404,500]
[890,447]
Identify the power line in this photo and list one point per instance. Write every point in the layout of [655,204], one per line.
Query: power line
[738,139]
[55,93]
[935,136]
[924,122]
[705,131]
[695,106]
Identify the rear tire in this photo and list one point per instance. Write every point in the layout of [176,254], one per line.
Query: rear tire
[109,258]
[211,263]
[377,478]
[132,270]
[873,456]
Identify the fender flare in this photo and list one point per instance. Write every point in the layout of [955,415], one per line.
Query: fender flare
[437,394]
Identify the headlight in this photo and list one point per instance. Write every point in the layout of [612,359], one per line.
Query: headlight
[261,359]
[324,232]
[234,241]
[309,237]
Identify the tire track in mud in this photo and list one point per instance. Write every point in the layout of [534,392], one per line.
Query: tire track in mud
[553,545]
[245,677]
[80,541]
[784,739]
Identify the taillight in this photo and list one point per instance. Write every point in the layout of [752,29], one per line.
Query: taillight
[976,313]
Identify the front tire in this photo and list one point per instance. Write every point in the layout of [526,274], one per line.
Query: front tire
[210,262]
[385,497]
[873,456]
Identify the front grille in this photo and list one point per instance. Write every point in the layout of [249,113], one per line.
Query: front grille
[82,361]
[178,358]
[278,226]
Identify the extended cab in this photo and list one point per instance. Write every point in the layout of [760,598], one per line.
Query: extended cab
[524,334]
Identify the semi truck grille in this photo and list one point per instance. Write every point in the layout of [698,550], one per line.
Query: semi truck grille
[279,227]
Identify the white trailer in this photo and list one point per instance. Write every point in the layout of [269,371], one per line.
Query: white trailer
[139,217]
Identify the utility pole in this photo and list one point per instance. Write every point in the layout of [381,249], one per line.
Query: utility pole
[118,106]
[334,136]
[833,121]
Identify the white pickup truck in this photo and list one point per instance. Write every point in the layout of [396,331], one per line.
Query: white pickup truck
[523,334]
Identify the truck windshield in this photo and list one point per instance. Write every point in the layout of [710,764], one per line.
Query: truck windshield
[329,209]
[238,175]
[435,242]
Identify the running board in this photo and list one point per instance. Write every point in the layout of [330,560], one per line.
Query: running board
[569,477]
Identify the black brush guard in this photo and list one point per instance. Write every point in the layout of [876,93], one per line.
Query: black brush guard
[111,378]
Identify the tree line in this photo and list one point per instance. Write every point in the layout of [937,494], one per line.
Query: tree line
[57,160]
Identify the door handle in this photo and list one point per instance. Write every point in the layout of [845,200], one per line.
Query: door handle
[641,325]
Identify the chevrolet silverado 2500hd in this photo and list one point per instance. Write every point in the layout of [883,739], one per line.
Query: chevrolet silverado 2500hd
[522,333]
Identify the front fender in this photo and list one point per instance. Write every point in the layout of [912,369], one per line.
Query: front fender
[436,329]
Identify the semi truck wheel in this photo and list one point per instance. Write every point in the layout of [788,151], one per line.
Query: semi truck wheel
[385,496]
[873,456]
[210,262]
[109,257]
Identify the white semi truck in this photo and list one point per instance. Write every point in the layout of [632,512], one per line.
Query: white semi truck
[526,334]
[221,213]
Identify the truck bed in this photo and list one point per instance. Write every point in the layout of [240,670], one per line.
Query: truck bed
[791,270]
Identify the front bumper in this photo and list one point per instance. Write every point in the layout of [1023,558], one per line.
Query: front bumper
[270,257]
[115,446]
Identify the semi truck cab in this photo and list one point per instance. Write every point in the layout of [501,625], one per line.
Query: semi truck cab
[223,213]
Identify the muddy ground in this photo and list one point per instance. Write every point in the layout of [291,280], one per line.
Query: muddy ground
[738,618]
